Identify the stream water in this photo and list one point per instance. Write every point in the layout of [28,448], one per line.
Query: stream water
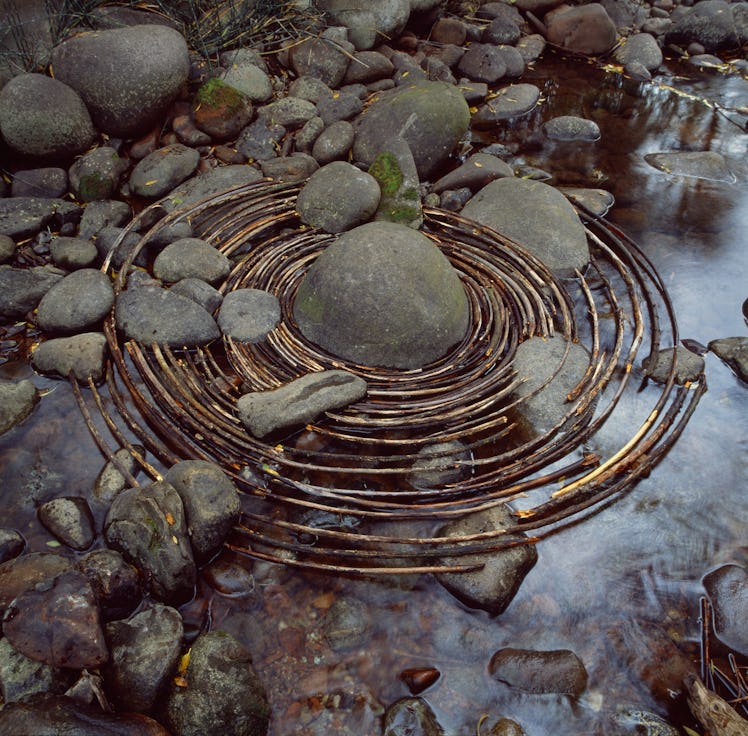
[621,588]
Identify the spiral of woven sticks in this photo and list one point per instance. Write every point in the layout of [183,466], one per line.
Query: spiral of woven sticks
[346,494]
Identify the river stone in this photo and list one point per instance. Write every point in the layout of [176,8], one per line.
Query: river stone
[250,80]
[103,213]
[431,117]
[72,253]
[641,48]
[571,128]
[368,66]
[57,622]
[395,171]
[368,23]
[144,653]
[510,102]
[201,292]
[83,354]
[146,67]
[290,112]
[299,402]
[191,258]
[43,118]
[346,624]
[21,677]
[482,62]
[224,695]
[305,138]
[334,142]
[320,58]
[80,301]
[597,201]
[115,583]
[17,401]
[477,171]
[8,246]
[11,544]
[440,464]
[259,140]
[531,47]
[699,164]
[48,182]
[47,714]
[147,525]
[70,520]
[689,366]
[211,504]
[209,183]
[296,167]
[248,315]
[338,197]
[559,671]
[585,29]
[709,23]
[493,587]
[96,174]
[411,717]
[734,352]
[536,216]
[159,172]
[340,106]
[122,243]
[25,572]
[22,289]
[384,295]
[24,217]
[151,314]
[727,588]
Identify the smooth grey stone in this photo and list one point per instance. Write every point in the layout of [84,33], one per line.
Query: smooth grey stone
[96,174]
[145,651]
[411,716]
[492,587]
[290,112]
[368,66]
[311,89]
[585,29]
[708,165]
[727,588]
[83,354]
[502,31]
[337,197]
[159,172]
[318,57]
[689,366]
[454,199]
[103,213]
[201,292]
[639,48]
[259,140]
[734,352]
[482,62]
[477,171]
[24,217]
[11,544]
[343,106]
[437,71]
[299,402]
[21,677]
[169,233]
[17,401]
[571,128]
[225,695]
[346,624]
[79,302]
[440,464]
[305,137]
[250,80]
[44,118]
[557,671]
[22,289]
[368,23]
[211,504]
[70,520]
[209,183]
[510,102]
[248,315]
[296,167]
[7,248]
[147,525]
[334,142]
[116,583]
[598,201]
[72,253]
[107,240]
[48,183]
[536,216]
[243,57]
[110,480]
[531,47]
[150,314]
[146,67]
[191,258]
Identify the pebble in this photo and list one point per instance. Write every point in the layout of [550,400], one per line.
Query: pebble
[334,142]
[83,354]
[734,352]
[48,182]
[558,671]
[191,258]
[161,171]
[17,401]
[70,520]
[77,303]
[201,292]
[571,128]
[248,315]
[7,248]
[116,583]
[73,253]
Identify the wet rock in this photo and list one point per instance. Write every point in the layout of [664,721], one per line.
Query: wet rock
[24,572]
[11,544]
[24,217]
[502,31]
[147,525]
[100,214]
[211,504]
[48,182]
[700,164]
[338,197]
[8,246]
[260,140]
[346,624]
[146,67]
[632,720]
[290,112]
[296,167]
[368,23]
[510,102]
[115,583]
[368,66]
[536,216]
[411,314]
[320,58]
[144,651]
[248,315]
[482,62]
[395,171]
[223,694]
[505,727]
[221,110]
[571,128]
[419,679]
[200,292]
[598,201]
[440,464]
[306,137]
[79,302]
[17,401]
[734,352]
[57,622]
[709,23]
[531,47]
[83,354]
[689,367]
[727,588]
[70,520]
[44,118]
[639,48]
[333,142]
[150,314]
[493,587]
[96,174]
[211,182]
[121,244]
[559,671]
[341,106]
[712,712]
[159,172]
[22,289]
[411,717]
[229,577]
[430,116]
[57,714]
[299,402]
[191,258]
[21,677]
[454,199]
[72,253]
[585,29]
[477,171]
[252,81]
[169,233]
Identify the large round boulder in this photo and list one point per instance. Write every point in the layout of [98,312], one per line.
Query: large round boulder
[383,295]
[44,118]
[145,68]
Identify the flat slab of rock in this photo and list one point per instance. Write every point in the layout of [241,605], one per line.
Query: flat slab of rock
[211,182]
[79,302]
[299,402]
[708,165]
[83,354]
[248,315]
[734,352]
[689,366]
[17,401]
[477,171]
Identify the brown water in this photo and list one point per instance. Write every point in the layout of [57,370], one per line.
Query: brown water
[617,588]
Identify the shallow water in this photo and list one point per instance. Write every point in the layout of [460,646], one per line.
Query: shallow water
[616,588]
